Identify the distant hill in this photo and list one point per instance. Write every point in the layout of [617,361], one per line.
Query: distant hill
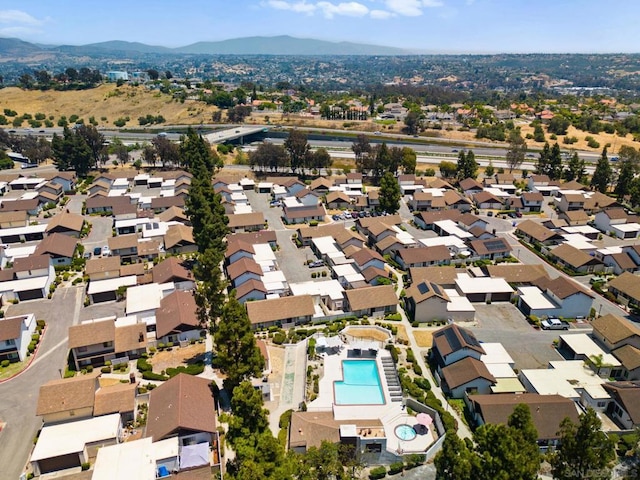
[280,45]
[286,45]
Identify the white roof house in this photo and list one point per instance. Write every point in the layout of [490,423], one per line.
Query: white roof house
[570,379]
[71,437]
[583,345]
[452,228]
[468,285]
[138,459]
[324,288]
[111,284]
[579,241]
[536,299]
[144,298]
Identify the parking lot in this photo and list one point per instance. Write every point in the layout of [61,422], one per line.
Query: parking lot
[505,324]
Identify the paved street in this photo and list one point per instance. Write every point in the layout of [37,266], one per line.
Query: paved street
[19,396]
[101,230]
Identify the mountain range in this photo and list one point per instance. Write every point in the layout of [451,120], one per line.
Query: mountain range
[279,45]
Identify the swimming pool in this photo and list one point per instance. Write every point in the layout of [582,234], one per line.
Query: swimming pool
[360,384]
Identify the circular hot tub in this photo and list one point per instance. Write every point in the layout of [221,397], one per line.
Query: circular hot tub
[405,432]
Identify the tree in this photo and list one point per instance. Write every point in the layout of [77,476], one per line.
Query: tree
[409,160]
[490,170]
[268,156]
[554,167]
[239,357]
[25,81]
[94,139]
[166,150]
[575,169]
[321,159]
[412,122]
[249,415]
[362,150]
[558,125]
[297,148]
[628,167]
[238,113]
[467,166]
[122,153]
[447,169]
[149,155]
[538,133]
[168,75]
[602,174]
[382,160]
[153,74]
[585,451]
[517,150]
[71,152]
[389,193]
[455,460]
[72,74]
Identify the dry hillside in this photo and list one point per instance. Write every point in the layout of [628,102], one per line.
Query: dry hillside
[106,101]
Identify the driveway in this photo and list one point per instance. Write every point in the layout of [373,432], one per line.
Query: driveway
[504,323]
[101,231]
[19,396]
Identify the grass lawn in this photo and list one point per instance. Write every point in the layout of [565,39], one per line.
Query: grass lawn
[12,369]
[423,338]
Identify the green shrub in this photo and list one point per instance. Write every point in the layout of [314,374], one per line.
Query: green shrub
[85,466]
[89,368]
[69,374]
[35,337]
[105,369]
[143,365]
[396,467]
[285,419]
[4,363]
[279,338]
[154,376]
[192,369]
[377,473]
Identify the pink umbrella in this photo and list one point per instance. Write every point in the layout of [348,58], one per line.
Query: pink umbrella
[424,419]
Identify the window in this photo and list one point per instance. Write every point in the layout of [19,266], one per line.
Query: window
[107,344]
[11,341]
[82,349]
[602,404]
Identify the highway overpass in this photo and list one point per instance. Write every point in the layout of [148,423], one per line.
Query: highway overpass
[234,133]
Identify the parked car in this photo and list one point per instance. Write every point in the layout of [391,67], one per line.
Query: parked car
[554,324]
[105,251]
[97,251]
[316,263]
[519,214]
[490,213]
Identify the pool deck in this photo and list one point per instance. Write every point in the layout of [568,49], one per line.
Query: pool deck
[391,414]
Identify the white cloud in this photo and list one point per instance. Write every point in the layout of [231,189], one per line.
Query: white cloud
[349,9]
[434,3]
[299,7]
[18,17]
[18,31]
[380,14]
[410,8]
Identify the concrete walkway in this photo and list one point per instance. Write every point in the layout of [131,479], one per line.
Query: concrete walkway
[420,355]
[294,380]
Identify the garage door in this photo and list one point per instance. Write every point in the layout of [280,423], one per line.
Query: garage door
[59,463]
[476,297]
[103,297]
[501,297]
[30,294]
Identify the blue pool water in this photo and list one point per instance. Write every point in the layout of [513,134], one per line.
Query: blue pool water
[360,384]
[405,432]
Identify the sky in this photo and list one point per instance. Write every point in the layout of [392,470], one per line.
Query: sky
[434,26]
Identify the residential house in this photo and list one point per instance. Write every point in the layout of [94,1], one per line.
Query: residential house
[617,222]
[626,288]
[453,200]
[571,201]
[243,270]
[422,256]
[177,318]
[444,276]
[337,200]
[179,239]
[470,186]
[281,311]
[125,247]
[517,274]
[105,204]
[425,201]
[66,179]
[16,219]
[160,204]
[374,301]
[174,214]
[428,302]
[28,279]
[95,341]
[251,290]
[547,412]
[68,399]
[613,332]
[31,206]
[303,214]
[15,337]
[536,181]
[452,344]
[575,218]
[491,248]
[532,232]
[376,276]
[527,202]
[173,269]
[307,197]
[59,247]
[625,404]
[575,260]
[66,223]
[102,268]
[466,377]
[559,297]
[184,407]
[237,249]
[320,185]
[246,222]
[487,201]
[366,257]
[620,262]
